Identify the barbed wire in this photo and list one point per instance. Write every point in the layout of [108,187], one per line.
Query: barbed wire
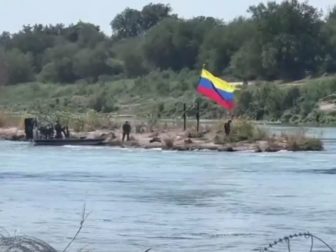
[287,239]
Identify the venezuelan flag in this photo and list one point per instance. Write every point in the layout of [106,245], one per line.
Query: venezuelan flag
[216,89]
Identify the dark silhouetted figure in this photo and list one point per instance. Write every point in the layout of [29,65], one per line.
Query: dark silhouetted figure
[29,128]
[126,128]
[59,130]
[66,132]
[47,132]
[227,128]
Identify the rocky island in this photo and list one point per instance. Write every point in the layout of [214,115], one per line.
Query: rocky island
[245,136]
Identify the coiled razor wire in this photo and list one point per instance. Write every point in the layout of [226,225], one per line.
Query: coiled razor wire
[24,244]
[31,244]
[288,239]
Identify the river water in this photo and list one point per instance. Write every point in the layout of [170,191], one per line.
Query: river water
[167,201]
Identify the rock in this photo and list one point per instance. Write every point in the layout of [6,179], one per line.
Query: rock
[227,149]
[14,134]
[155,140]
[132,143]
[230,149]
[101,134]
[188,141]
[24,244]
[272,149]
[19,137]
[258,149]
[113,142]
[153,135]
[110,137]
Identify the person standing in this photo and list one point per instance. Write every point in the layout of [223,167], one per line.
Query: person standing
[227,128]
[58,129]
[126,128]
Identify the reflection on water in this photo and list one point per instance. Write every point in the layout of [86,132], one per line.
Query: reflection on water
[168,201]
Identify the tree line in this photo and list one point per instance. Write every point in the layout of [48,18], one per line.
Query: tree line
[288,41]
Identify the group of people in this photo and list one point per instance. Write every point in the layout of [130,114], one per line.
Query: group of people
[50,131]
[35,129]
[126,130]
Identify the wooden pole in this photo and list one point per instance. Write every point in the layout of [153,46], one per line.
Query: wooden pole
[198,116]
[184,117]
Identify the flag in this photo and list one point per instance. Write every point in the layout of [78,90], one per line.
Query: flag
[216,89]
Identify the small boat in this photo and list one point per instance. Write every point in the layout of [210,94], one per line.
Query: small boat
[74,142]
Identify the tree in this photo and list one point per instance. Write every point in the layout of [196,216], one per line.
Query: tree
[91,63]
[3,69]
[173,44]
[88,35]
[329,35]
[130,52]
[289,37]
[246,62]
[221,42]
[152,14]
[131,23]
[19,66]
[332,14]
[58,64]
[127,24]
[5,39]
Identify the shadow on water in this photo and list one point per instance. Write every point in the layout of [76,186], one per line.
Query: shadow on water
[331,171]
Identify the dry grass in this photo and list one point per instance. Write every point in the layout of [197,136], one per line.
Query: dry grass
[169,142]
[9,120]
[299,141]
[194,134]
[241,131]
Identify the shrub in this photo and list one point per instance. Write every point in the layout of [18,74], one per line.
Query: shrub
[241,130]
[169,142]
[194,134]
[301,142]
[3,119]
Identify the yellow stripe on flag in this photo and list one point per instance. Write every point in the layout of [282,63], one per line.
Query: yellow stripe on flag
[217,82]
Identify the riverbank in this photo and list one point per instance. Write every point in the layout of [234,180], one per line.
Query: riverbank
[244,137]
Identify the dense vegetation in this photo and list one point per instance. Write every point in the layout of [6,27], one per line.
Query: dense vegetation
[154,57]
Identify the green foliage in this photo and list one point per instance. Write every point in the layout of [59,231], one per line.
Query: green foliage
[301,142]
[163,54]
[131,54]
[3,69]
[127,24]
[329,36]
[287,40]
[242,130]
[245,63]
[131,23]
[102,103]
[221,41]
[18,66]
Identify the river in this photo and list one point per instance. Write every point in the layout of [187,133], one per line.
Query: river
[167,201]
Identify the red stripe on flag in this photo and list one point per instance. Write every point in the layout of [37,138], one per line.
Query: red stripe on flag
[213,95]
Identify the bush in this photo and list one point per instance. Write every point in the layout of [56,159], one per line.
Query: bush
[194,134]
[241,130]
[3,119]
[301,142]
[169,142]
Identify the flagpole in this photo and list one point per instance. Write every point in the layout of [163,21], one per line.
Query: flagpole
[198,114]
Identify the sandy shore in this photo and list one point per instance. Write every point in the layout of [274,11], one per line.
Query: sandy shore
[12,133]
[167,140]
